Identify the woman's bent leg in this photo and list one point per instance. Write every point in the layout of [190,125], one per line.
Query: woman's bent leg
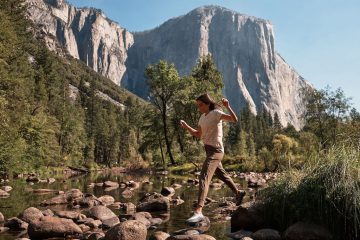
[224,176]
[209,167]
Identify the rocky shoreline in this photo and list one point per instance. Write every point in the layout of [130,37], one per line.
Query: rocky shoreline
[90,217]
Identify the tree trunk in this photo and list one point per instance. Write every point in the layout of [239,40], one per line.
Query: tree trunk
[162,152]
[167,142]
[180,142]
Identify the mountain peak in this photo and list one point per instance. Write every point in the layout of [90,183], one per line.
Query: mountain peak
[243,48]
[216,9]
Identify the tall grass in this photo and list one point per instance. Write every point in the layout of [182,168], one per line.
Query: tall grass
[325,191]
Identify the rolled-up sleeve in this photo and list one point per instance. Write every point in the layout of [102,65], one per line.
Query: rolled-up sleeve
[218,114]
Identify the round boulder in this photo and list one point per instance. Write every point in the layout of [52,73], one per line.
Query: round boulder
[30,214]
[306,231]
[128,230]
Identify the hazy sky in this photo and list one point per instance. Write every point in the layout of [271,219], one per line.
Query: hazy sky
[319,38]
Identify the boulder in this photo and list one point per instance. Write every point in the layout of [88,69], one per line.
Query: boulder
[202,226]
[110,222]
[15,223]
[306,231]
[51,227]
[30,214]
[168,191]
[88,201]
[248,216]
[106,199]
[128,230]
[51,180]
[266,234]
[100,212]
[176,201]
[241,234]
[4,194]
[6,188]
[143,217]
[73,194]
[159,236]
[154,202]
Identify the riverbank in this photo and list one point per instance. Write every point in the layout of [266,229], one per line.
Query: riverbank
[277,205]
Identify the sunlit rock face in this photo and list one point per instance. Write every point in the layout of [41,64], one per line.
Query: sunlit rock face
[86,34]
[243,48]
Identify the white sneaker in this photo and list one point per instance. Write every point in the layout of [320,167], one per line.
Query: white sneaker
[197,217]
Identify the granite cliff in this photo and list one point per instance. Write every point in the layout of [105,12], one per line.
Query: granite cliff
[242,46]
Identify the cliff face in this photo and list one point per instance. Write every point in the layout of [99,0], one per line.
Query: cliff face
[243,50]
[85,34]
[242,46]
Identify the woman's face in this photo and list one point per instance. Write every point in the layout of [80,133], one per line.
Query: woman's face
[203,107]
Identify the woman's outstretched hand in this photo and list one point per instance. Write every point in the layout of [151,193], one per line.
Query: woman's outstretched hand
[183,124]
[225,102]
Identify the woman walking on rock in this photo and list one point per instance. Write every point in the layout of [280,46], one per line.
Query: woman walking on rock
[210,131]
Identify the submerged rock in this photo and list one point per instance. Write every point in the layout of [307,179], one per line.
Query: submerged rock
[111,184]
[57,200]
[127,193]
[192,237]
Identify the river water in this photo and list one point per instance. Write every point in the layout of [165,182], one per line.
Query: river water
[22,197]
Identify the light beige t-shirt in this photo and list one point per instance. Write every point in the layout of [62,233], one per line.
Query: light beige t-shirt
[211,128]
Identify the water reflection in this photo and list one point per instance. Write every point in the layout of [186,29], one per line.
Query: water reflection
[22,197]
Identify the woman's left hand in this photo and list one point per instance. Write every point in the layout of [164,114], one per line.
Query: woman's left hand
[225,102]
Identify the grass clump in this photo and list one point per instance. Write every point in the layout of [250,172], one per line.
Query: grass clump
[325,191]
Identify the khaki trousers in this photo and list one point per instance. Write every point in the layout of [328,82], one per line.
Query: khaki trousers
[211,166]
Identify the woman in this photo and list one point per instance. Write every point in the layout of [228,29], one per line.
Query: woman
[210,131]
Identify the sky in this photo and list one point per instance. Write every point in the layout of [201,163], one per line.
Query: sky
[320,39]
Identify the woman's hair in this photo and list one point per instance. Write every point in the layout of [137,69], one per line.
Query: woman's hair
[205,98]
